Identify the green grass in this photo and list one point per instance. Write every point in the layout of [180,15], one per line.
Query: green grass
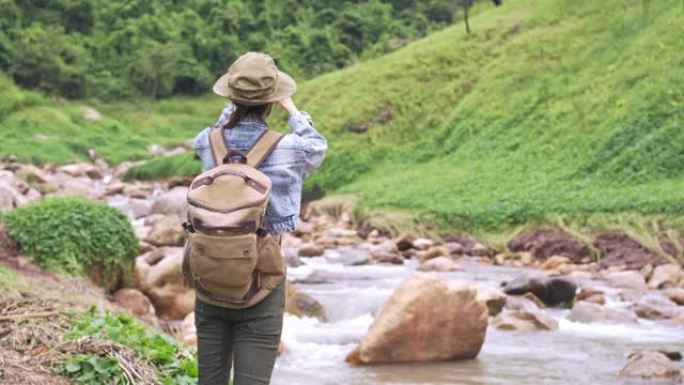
[550,108]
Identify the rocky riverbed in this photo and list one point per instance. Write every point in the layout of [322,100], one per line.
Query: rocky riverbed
[365,307]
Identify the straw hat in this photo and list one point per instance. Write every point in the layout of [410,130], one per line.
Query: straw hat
[254,79]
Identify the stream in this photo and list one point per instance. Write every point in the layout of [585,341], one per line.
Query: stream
[577,353]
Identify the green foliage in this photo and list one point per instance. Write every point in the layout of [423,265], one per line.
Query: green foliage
[86,369]
[110,50]
[547,108]
[184,164]
[174,365]
[74,235]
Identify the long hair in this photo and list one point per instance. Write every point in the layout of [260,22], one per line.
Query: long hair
[241,111]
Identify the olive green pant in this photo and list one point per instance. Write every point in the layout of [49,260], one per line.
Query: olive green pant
[247,339]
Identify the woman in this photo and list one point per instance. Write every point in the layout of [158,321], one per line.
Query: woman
[247,339]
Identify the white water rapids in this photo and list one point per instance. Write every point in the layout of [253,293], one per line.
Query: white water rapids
[577,353]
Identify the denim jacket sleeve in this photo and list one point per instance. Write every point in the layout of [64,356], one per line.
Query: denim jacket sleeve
[307,139]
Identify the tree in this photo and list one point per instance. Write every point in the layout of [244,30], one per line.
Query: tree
[157,67]
[466,4]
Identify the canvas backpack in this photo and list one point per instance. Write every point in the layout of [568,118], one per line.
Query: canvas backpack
[230,258]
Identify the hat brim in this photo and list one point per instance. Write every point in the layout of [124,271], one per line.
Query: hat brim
[286,87]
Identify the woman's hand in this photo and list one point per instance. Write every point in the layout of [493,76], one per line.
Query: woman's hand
[288,105]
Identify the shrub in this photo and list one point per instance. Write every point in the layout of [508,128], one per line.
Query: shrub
[75,235]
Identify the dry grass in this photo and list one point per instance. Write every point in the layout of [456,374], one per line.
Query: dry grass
[34,319]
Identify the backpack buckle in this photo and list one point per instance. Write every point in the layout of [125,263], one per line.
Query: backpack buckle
[189,227]
[234,156]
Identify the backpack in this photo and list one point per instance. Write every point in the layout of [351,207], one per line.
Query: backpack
[230,258]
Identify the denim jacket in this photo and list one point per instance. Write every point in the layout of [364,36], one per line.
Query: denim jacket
[289,164]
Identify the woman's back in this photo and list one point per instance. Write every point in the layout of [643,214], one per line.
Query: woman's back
[296,155]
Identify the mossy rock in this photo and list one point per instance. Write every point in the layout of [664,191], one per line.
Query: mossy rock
[76,236]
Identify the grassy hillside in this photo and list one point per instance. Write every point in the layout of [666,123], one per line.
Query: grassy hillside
[549,107]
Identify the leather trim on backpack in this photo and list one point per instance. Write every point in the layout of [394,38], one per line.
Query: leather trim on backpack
[232,209]
[253,289]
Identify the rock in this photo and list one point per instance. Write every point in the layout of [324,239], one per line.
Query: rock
[394,259]
[494,298]
[133,207]
[588,312]
[340,233]
[552,291]
[91,114]
[527,303]
[647,271]
[114,188]
[178,181]
[326,241]
[524,321]
[161,280]
[555,263]
[32,174]
[544,244]
[328,276]
[471,246]
[167,232]
[348,256]
[626,279]
[433,252]
[291,258]
[311,250]
[618,249]
[591,296]
[173,202]
[8,197]
[439,264]
[73,169]
[93,172]
[454,248]
[134,301]
[188,330]
[386,252]
[143,192]
[404,242]
[410,328]
[676,295]
[657,307]
[301,304]
[423,243]
[650,365]
[669,275]
[79,186]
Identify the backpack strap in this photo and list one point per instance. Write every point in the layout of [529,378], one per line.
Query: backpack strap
[263,147]
[218,144]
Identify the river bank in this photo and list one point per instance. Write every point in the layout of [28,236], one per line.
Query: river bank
[342,274]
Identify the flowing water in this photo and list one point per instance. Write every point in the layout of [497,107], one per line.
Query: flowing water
[577,353]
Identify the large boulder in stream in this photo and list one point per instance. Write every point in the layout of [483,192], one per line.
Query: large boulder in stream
[426,319]
[552,291]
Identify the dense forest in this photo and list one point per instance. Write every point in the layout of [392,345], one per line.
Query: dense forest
[113,50]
